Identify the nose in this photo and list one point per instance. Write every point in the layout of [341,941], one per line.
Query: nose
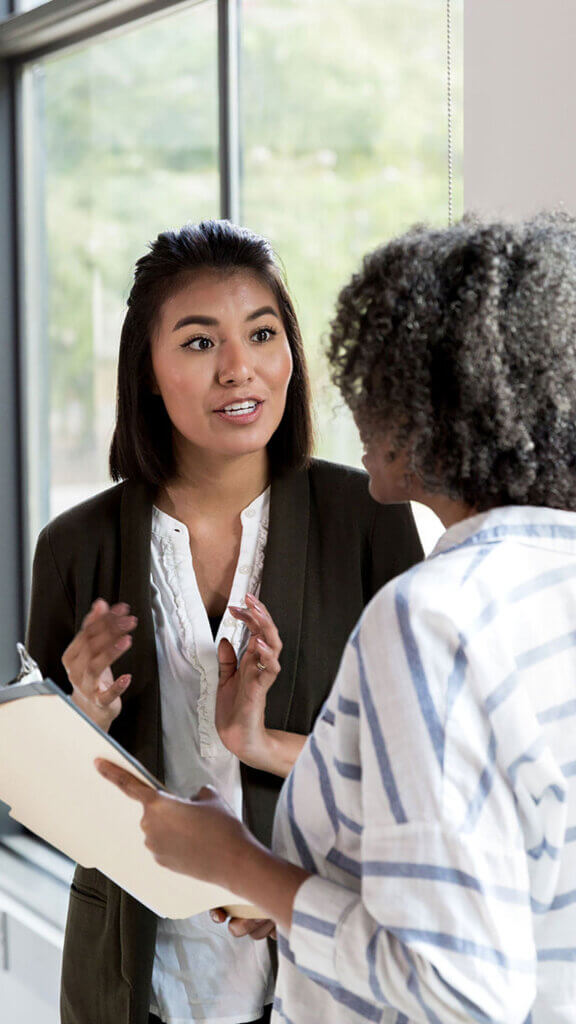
[235,366]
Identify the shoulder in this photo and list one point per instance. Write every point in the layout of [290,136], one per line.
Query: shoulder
[91,526]
[335,479]
[428,597]
[345,488]
[340,505]
[91,514]
[346,484]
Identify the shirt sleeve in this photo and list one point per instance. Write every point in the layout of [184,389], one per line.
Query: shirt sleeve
[442,926]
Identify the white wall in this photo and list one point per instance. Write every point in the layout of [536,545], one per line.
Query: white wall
[519,106]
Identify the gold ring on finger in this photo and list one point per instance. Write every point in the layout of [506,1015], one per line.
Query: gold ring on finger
[260,666]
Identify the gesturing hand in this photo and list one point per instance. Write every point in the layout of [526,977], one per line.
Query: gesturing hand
[103,638]
[242,689]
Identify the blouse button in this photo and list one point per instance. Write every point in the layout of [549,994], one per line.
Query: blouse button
[244,569]
[251,512]
[229,622]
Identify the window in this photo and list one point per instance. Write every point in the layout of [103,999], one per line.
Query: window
[344,129]
[125,132]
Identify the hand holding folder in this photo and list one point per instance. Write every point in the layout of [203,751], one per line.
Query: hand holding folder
[48,747]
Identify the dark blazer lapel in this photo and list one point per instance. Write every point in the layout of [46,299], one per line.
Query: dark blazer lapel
[135,534]
[283,581]
[144,690]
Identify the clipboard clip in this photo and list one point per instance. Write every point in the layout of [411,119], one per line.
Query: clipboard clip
[29,669]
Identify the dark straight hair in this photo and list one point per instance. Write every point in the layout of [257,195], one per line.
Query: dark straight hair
[142,447]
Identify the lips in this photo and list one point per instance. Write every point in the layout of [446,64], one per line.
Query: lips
[242,411]
[240,408]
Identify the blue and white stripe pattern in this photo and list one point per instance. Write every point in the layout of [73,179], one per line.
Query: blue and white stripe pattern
[435,802]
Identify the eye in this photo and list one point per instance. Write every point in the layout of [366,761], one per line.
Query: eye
[263,334]
[199,344]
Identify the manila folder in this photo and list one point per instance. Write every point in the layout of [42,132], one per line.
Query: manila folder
[48,779]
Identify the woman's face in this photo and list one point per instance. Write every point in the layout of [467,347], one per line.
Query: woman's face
[222,364]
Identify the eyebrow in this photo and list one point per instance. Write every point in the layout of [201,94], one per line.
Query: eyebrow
[263,311]
[206,321]
[210,321]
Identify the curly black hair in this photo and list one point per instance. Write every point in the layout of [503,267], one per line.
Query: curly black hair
[460,346]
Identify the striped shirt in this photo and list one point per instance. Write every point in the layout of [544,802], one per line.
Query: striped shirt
[435,801]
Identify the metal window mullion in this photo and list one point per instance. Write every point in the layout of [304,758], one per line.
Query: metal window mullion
[32,270]
[449,115]
[11,507]
[229,108]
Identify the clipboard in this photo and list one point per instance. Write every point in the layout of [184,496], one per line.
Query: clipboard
[49,781]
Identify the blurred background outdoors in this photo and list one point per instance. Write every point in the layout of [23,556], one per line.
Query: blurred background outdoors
[343,135]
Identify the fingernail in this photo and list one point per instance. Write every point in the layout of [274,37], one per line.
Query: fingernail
[252,600]
[236,610]
[261,644]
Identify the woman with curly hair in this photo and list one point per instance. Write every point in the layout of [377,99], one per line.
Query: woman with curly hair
[425,842]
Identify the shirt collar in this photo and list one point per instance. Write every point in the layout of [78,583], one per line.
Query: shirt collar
[258,509]
[544,527]
[256,512]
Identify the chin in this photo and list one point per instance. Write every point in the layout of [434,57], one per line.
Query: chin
[374,490]
[245,446]
[383,494]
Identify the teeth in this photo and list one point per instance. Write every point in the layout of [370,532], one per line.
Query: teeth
[239,407]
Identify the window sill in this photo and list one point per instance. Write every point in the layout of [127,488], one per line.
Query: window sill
[34,884]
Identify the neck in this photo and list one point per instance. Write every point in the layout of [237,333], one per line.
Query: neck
[215,485]
[448,510]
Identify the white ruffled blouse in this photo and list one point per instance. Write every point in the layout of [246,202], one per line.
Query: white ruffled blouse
[201,973]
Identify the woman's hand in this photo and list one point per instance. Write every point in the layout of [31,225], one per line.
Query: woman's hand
[203,838]
[256,928]
[200,837]
[103,638]
[242,689]
[242,692]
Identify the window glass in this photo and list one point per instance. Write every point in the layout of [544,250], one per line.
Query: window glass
[26,5]
[122,141]
[344,125]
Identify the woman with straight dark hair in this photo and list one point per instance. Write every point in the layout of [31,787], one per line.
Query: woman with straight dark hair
[222,528]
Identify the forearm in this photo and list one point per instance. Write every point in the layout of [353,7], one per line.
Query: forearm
[275,752]
[266,880]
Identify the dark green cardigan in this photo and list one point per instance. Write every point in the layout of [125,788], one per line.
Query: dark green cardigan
[330,548]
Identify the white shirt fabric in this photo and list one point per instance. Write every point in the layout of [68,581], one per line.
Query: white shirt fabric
[435,801]
[201,973]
